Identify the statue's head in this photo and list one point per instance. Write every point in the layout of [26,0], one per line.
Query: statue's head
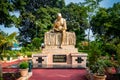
[59,15]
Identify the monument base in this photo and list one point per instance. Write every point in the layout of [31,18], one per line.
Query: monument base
[56,53]
[71,60]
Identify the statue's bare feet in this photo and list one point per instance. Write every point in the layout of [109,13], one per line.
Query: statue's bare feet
[60,47]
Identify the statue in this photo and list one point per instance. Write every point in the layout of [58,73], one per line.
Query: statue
[60,26]
[58,37]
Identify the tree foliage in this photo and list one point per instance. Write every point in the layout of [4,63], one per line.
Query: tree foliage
[106,22]
[6,41]
[33,5]
[76,17]
[5,17]
[105,25]
[36,17]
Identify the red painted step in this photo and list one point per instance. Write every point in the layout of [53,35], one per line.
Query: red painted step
[59,74]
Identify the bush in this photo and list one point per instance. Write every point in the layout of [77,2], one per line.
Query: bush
[94,52]
[109,63]
[29,54]
[98,67]
[23,65]
[36,43]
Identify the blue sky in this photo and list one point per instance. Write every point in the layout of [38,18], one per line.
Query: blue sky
[104,3]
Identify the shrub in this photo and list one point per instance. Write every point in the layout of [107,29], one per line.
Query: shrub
[23,65]
[29,54]
[36,43]
[98,67]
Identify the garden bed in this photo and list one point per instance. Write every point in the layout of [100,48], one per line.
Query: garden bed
[11,76]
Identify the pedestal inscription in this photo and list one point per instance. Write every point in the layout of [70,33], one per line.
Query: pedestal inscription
[59,58]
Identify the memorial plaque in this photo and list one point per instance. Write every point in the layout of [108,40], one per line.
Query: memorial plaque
[59,58]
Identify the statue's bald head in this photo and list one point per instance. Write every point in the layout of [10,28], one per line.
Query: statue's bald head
[59,15]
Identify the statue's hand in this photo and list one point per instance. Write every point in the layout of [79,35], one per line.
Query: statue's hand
[60,28]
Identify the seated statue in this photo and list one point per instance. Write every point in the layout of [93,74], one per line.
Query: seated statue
[60,26]
[58,36]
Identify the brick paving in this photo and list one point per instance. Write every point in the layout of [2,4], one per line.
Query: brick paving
[59,74]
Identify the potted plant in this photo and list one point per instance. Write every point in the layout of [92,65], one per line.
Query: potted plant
[110,67]
[98,68]
[24,68]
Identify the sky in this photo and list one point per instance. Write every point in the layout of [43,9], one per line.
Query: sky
[104,3]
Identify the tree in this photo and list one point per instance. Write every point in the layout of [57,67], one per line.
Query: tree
[76,17]
[32,5]
[36,17]
[106,23]
[98,21]
[6,41]
[92,7]
[5,8]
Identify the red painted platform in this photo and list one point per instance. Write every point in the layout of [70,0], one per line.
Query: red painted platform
[59,74]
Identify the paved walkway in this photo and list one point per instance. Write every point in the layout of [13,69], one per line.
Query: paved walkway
[50,74]
[58,74]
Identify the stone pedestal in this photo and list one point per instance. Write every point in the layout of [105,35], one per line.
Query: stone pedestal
[79,59]
[53,55]
[54,39]
[40,58]
[64,50]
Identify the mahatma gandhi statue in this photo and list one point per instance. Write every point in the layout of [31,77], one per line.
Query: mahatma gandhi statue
[60,26]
